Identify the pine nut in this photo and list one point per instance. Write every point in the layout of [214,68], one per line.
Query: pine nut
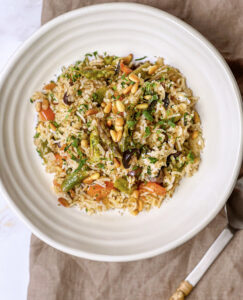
[127,90]
[72,193]
[109,123]
[147,97]
[127,59]
[103,104]
[63,202]
[196,117]
[91,112]
[91,178]
[152,69]
[134,77]
[107,108]
[113,135]
[134,88]
[120,106]
[116,162]
[195,134]
[135,194]
[118,136]
[119,122]
[49,86]
[84,144]
[38,106]
[140,205]
[142,106]
[45,104]
[134,212]
[118,128]
[114,108]
[53,127]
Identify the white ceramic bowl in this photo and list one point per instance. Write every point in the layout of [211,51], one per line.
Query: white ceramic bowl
[119,29]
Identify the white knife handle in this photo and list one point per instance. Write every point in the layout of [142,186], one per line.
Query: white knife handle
[209,257]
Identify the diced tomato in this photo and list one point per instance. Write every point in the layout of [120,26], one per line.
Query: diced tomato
[100,192]
[125,68]
[152,187]
[46,115]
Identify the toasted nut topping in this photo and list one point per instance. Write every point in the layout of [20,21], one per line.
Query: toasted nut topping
[45,104]
[134,212]
[114,108]
[118,136]
[196,117]
[134,88]
[109,123]
[152,69]
[91,178]
[53,127]
[91,112]
[127,59]
[142,106]
[140,205]
[116,163]
[135,194]
[118,128]
[113,134]
[107,108]
[72,193]
[120,106]
[49,86]
[134,77]
[127,90]
[195,134]
[84,144]
[147,97]
[63,202]
[119,122]
[38,106]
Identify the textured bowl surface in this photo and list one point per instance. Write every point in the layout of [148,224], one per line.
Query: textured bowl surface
[119,29]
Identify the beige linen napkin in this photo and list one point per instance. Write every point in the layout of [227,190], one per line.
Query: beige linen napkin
[58,276]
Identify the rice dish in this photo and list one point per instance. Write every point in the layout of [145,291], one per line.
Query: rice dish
[117,133]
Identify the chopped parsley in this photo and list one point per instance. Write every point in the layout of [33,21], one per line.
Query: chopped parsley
[67,147]
[191,157]
[171,123]
[149,170]
[147,132]
[162,79]
[153,160]
[95,53]
[114,88]
[101,166]
[155,97]
[79,92]
[55,124]
[131,124]
[141,58]
[36,135]
[148,116]
[123,84]
[31,100]
[185,118]
[94,96]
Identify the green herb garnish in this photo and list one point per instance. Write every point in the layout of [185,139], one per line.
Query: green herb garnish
[131,124]
[141,58]
[101,166]
[147,132]
[149,170]
[31,100]
[79,92]
[148,116]
[153,160]
[36,135]
[191,157]
[171,123]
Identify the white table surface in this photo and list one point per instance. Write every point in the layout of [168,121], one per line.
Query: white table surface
[18,20]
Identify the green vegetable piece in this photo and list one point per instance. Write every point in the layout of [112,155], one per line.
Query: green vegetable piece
[108,60]
[73,179]
[100,94]
[144,74]
[191,157]
[148,116]
[95,154]
[122,185]
[147,132]
[43,150]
